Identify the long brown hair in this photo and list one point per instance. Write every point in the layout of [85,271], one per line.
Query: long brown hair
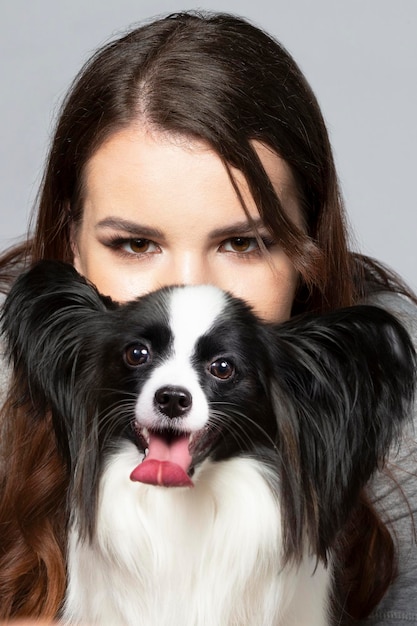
[218,78]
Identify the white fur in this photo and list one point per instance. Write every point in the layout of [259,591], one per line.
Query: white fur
[188,324]
[205,556]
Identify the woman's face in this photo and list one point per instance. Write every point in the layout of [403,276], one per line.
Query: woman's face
[161,210]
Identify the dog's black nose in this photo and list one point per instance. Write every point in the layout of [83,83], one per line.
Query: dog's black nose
[173,401]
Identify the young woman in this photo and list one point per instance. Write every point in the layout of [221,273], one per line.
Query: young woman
[192,150]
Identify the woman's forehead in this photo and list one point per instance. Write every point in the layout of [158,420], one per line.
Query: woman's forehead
[137,158]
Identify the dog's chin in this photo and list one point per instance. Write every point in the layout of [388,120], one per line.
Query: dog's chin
[171,456]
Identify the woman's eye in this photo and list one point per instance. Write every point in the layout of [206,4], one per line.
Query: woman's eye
[136,355]
[139,246]
[221,368]
[240,244]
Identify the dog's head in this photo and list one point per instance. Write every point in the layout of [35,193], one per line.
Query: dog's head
[190,373]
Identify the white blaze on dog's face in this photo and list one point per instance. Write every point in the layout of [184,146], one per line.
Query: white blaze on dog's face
[187,324]
[172,409]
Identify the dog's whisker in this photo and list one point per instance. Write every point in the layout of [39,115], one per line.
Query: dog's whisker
[237,431]
[234,411]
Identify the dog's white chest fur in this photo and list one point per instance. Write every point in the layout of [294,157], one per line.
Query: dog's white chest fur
[207,556]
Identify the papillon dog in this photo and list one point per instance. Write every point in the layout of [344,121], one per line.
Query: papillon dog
[214,458]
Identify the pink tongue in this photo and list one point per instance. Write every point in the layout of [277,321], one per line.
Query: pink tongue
[166,463]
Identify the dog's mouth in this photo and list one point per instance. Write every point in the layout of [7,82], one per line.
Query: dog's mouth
[168,458]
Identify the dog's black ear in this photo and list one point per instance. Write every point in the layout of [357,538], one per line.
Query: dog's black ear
[44,306]
[49,313]
[342,387]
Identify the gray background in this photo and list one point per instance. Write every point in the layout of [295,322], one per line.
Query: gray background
[360,56]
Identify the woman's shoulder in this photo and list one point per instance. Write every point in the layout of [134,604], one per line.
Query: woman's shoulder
[4,372]
[4,385]
[399,305]
[394,493]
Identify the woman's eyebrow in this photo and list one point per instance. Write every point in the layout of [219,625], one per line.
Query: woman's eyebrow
[241,228]
[132,228]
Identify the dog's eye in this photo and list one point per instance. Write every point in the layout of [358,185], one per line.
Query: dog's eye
[222,369]
[136,354]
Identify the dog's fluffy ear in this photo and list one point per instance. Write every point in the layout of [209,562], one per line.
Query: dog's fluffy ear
[48,313]
[45,306]
[342,388]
